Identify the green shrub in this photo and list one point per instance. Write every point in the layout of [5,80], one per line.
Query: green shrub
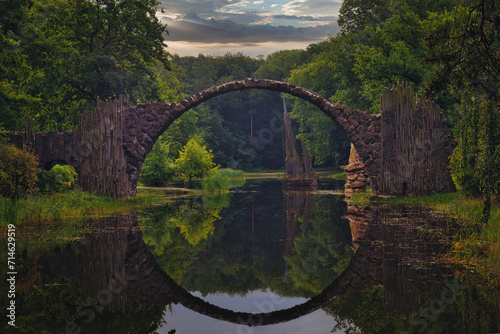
[158,170]
[18,172]
[215,182]
[48,182]
[221,180]
[66,174]
[476,159]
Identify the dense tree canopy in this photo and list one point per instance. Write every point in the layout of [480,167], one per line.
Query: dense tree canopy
[61,55]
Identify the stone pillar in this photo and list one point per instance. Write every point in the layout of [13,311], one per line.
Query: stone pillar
[356,174]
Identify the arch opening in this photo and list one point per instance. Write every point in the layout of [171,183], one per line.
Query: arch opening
[145,123]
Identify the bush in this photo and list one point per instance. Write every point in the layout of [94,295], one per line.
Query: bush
[220,180]
[48,182]
[57,179]
[18,172]
[66,174]
[158,170]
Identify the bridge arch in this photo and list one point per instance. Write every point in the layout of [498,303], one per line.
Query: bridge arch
[145,123]
[405,148]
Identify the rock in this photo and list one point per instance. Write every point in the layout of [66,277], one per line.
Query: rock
[352,177]
[357,184]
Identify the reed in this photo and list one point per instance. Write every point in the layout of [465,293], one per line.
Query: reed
[222,180]
[54,208]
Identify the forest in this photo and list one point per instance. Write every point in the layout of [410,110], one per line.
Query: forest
[58,57]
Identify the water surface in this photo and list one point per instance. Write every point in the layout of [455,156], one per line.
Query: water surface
[253,261]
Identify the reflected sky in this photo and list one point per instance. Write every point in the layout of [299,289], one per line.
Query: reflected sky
[181,318]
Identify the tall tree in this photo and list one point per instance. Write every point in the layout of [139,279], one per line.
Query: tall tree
[73,51]
[356,15]
[463,44]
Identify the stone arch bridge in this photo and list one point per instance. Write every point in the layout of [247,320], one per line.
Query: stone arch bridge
[404,148]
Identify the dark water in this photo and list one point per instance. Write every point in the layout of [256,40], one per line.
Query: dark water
[254,261]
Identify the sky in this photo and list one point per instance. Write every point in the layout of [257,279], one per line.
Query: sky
[253,27]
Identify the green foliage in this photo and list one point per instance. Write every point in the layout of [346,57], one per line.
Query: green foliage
[3,135]
[158,169]
[313,273]
[476,159]
[66,174]
[56,179]
[59,56]
[394,52]
[194,160]
[356,15]
[48,182]
[278,65]
[463,41]
[463,45]
[221,180]
[18,169]
[326,142]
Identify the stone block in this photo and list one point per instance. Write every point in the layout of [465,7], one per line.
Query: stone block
[352,177]
[140,150]
[357,184]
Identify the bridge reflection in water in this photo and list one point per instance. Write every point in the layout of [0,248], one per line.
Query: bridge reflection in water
[394,249]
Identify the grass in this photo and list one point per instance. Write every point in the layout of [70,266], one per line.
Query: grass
[223,180]
[339,176]
[477,246]
[47,209]
[278,175]
[264,175]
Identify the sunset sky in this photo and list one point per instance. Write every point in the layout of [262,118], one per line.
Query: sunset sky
[254,27]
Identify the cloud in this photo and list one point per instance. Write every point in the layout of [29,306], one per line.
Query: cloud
[195,29]
[316,8]
[250,49]
[261,23]
[307,18]
[252,11]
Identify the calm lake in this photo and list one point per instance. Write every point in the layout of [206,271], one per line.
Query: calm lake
[257,260]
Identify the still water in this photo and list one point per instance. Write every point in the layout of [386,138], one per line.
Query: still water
[253,261]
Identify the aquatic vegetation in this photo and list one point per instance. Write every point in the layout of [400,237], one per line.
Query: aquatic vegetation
[223,179]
